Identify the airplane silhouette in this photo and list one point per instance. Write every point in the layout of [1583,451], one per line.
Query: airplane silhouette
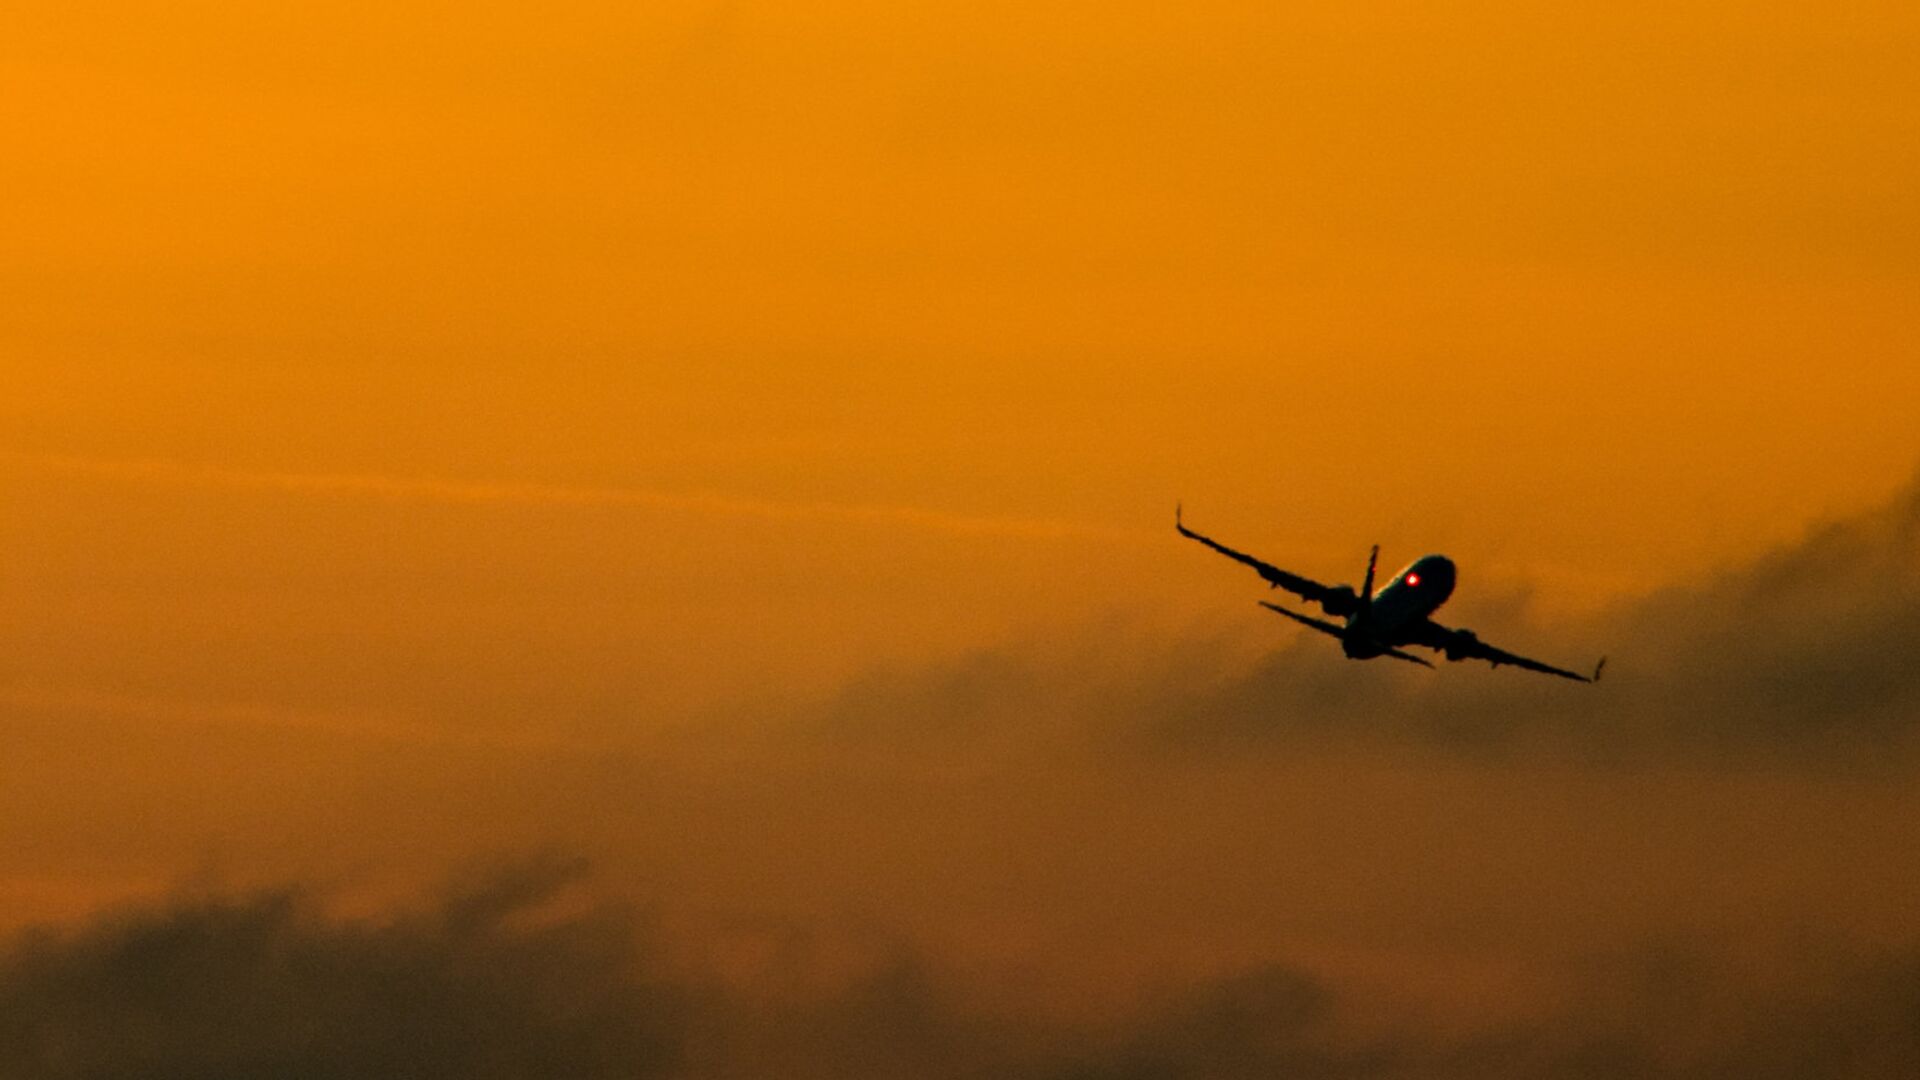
[1380,623]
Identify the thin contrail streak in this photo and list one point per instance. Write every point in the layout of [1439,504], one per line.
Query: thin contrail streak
[434,489]
[393,726]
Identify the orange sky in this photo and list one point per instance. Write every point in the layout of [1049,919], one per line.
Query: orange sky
[1589,301]
[503,381]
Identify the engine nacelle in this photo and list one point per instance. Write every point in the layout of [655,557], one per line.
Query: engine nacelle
[1461,645]
[1341,601]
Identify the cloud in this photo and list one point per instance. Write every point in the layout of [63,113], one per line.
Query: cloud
[270,985]
[498,978]
[1209,827]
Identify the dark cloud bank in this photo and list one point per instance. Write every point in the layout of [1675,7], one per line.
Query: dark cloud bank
[494,980]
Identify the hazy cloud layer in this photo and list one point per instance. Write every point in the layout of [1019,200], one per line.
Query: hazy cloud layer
[1116,855]
[1123,859]
[508,979]
[269,985]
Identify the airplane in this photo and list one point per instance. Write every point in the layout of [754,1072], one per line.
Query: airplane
[1382,623]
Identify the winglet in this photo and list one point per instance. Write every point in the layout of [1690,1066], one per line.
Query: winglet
[1176,518]
[1598,668]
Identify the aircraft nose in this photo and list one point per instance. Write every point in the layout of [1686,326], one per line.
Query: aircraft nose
[1437,572]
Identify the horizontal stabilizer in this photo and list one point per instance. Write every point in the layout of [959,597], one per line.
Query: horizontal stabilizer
[1398,655]
[1307,620]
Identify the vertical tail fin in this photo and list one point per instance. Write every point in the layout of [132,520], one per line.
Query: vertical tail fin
[1360,617]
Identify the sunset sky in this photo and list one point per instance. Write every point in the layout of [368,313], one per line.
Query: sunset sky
[735,446]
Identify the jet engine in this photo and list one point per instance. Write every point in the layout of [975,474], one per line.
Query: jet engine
[1461,644]
[1341,601]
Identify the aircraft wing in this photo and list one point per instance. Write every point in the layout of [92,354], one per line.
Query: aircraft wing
[1467,647]
[1305,588]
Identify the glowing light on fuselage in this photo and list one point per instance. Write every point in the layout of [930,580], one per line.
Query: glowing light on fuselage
[1413,579]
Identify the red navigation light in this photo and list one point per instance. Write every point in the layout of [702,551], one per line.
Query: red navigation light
[1413,579]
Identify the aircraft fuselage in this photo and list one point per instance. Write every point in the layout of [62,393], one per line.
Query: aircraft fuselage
[1403,603]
